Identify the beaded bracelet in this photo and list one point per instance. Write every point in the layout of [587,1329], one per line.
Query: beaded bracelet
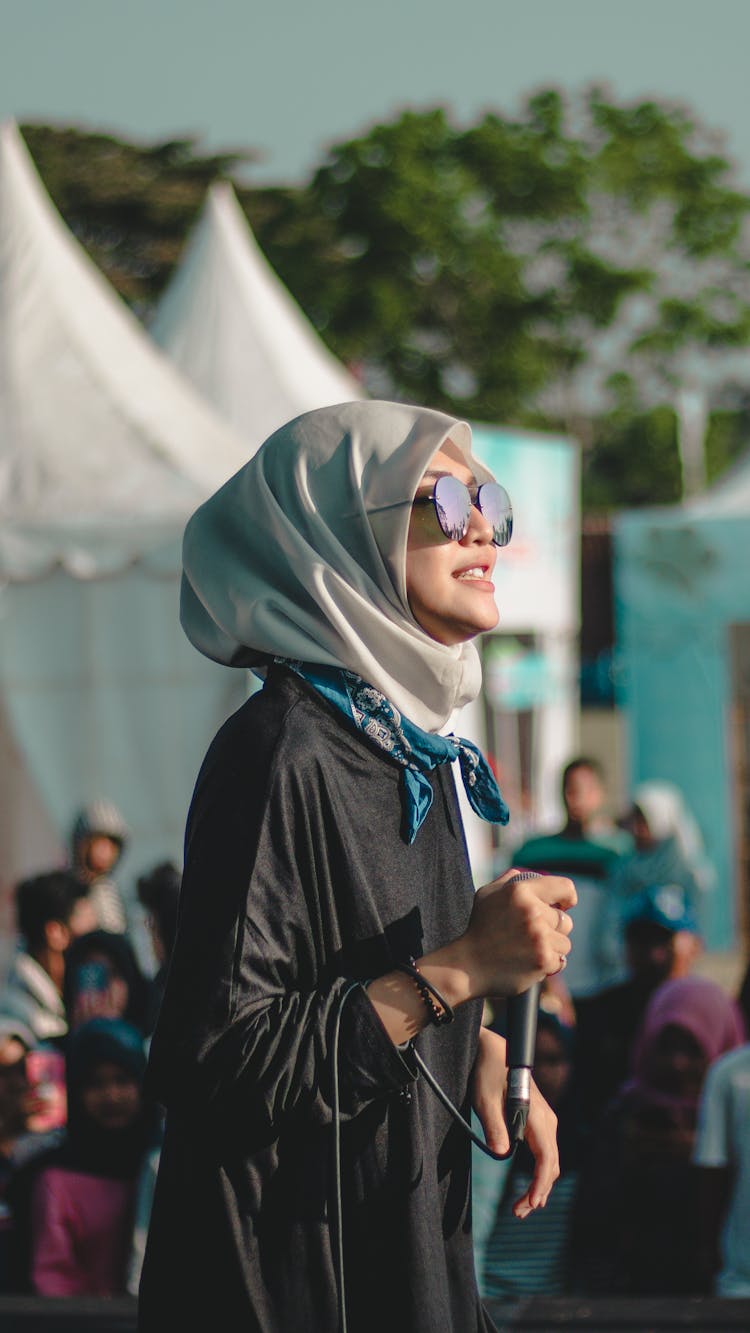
[429,994]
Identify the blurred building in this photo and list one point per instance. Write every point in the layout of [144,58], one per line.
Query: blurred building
[683,653]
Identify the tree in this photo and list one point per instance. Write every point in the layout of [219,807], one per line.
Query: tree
[129,204]
[582,266]
[526,269]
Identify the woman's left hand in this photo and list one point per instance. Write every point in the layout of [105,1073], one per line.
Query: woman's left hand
[488,1098]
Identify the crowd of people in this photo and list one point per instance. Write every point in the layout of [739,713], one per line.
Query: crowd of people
[79,1137]
[646,1065]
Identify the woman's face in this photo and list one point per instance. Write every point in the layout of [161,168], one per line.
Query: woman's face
[642,835]
[677,1064]
[449,583]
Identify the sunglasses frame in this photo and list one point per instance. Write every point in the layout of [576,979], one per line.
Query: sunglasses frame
[475,501]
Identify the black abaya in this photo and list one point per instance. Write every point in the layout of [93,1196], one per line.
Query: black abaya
[297,880]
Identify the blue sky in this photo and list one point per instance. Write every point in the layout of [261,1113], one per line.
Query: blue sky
[290,78]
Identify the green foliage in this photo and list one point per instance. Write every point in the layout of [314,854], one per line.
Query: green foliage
[571,267]
[635,461]
[129,204]
[726,439]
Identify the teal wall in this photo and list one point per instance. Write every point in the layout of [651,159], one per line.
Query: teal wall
[679,585]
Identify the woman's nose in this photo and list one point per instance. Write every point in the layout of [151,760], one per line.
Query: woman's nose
[479,529]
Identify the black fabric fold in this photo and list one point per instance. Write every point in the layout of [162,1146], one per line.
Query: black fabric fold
[297,883]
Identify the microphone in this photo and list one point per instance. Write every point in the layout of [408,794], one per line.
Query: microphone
[522,1011]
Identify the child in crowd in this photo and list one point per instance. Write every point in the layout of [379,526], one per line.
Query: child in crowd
[83,1200]
[103,980]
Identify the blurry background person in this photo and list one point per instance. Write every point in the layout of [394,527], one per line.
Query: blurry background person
[743,998]
[668,845]
[98,838]
[512,1260]
[83,1195]
[587,848]
[159,893]
[661,943]
[21,1109]
[668,850]
[635,1225]
[722,1158]
[103,980]
[51,910]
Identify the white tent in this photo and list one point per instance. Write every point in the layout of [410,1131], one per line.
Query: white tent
[104,452]
[231,327]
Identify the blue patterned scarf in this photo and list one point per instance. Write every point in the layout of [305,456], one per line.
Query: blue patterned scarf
[415,750]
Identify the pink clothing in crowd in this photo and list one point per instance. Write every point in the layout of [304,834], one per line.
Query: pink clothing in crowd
[705,1011]
[82,1227]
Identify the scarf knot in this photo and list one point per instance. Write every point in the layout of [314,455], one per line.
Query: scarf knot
[417,751]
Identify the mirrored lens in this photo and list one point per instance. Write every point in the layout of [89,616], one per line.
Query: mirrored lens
[494,504]
[452,506]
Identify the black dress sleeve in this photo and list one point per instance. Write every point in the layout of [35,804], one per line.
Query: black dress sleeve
[259,972]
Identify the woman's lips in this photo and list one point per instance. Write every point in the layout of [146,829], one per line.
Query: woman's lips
[474,574]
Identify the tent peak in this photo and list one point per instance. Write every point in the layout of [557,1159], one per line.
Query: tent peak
[233,328]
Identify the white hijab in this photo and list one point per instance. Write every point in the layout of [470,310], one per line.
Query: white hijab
[302,554]
[665,812]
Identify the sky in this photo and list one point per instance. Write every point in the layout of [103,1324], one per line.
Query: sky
[290,78]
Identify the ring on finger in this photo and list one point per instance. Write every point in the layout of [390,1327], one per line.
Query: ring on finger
[560,918]
[563,963]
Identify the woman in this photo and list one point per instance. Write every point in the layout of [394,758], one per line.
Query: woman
[644,1148]
[324,851]
[82,1211]
[667,852]
[668,846]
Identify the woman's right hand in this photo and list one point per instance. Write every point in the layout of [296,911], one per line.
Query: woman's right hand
[518,933]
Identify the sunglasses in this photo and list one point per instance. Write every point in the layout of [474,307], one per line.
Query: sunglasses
[453,501]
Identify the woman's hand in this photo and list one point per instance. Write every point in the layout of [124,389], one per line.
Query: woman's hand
[488,1098]
[517,933]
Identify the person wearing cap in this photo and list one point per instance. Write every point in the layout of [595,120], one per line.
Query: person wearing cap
[98,838]
[661,942]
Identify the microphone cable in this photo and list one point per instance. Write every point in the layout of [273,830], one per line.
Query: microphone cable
[442,1096]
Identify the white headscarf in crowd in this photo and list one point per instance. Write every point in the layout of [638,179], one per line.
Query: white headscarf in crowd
[664,810]
[302,554]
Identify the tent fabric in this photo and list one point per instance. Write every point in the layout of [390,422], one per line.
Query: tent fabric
[104,453]
[108,698]
[104,449]
[230,326]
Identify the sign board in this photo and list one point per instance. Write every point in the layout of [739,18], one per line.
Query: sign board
[536,576]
